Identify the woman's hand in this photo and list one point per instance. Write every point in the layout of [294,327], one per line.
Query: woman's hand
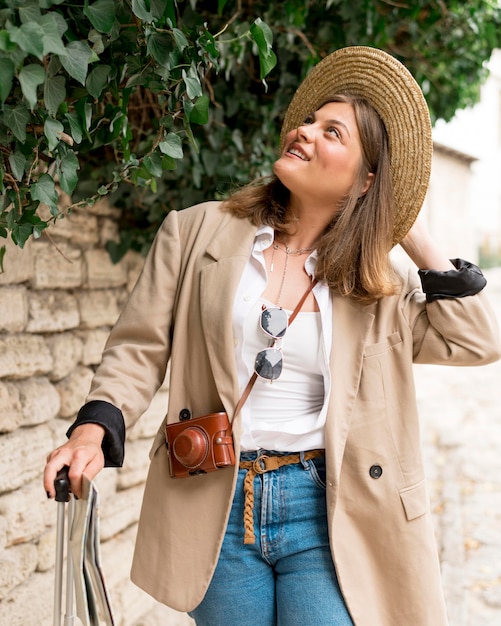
[82,454]
[423,250]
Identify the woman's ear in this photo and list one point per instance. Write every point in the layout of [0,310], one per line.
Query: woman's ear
[368,184]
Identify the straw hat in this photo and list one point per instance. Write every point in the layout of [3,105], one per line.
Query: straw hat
[390,88]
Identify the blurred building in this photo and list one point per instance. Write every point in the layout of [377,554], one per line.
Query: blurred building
[463,206]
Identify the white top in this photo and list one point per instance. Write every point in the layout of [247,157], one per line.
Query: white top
[288,414]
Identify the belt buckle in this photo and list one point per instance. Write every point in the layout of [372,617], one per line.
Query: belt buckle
[256,464]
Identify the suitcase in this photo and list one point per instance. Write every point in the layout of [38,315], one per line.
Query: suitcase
[85,590]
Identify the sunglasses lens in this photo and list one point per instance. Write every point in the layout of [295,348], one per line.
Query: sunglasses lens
[274,322]
[268,363]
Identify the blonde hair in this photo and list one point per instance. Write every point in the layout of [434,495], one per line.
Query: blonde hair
[353,251]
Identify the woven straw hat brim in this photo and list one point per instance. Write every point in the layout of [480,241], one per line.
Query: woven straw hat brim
[393,92]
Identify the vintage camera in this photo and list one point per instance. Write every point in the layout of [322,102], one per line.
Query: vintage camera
[200,445]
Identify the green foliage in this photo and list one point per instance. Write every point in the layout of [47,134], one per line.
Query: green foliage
[103,93]
[159,104]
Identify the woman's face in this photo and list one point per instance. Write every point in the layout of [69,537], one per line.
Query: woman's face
[321,159]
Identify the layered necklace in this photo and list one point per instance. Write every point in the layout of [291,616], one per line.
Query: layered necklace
[288,252]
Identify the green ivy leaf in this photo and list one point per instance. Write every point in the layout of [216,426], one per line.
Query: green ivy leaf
[141,10]
[29,13]
[263,37]
[52,130]
[28,224]
[76,130]
[101,15]
[2,256]
[168,163]
[17,162]
[76,60]
[30,77]
[180,39]
[6,77]
[44,190]
[46,4]
[84,110]
[153,162]
[159,46]
[29,37]
[172,146]
[53,28]
[54,93]
[16,118]
[192,82]
[200,111]
[68,168]
[97,80]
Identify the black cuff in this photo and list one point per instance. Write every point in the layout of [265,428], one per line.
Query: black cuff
[111,419]
[466,280]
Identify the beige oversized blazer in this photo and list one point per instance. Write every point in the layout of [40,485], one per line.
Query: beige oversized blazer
[380,528]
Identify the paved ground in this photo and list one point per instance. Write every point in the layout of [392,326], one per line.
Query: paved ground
[460,411]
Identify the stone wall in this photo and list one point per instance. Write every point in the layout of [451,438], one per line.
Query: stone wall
[59,298]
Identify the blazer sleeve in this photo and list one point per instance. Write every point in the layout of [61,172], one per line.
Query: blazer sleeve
[450,316]
[135,357]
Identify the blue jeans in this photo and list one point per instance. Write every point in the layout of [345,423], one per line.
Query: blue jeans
[287,578]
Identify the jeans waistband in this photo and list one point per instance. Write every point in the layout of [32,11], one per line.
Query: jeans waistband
[263,461]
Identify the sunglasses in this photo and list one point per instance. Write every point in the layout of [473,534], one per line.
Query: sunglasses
[268,363]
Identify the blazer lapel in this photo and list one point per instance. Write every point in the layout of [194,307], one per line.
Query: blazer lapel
[230,250]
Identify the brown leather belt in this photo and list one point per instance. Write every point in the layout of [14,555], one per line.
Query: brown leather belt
[261,465]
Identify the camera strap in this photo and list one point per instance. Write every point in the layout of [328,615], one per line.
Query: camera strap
[253,378]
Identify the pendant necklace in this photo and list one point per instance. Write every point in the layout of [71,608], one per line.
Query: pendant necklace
[288,252]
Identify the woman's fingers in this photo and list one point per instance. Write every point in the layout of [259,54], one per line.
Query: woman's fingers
[82,454]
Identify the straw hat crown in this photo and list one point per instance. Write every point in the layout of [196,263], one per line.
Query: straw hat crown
[391,89]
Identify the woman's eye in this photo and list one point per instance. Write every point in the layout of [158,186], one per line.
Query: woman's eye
[308,119]
[333,130]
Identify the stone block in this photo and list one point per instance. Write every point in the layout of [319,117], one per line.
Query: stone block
[102,273]
[14,308]
[73,390]
[78,227]
[30,604]
[24,355]
[120,511]
[57,268]
[18,263]
[22,456]
[52,311]
[16,565]
[40,400]
[109,231]
[98,308]
[102,208]
[23,511]
[11,414]
[47,547]
[93,345]
[66,349]
[3,532]
[106,483]
[135,465]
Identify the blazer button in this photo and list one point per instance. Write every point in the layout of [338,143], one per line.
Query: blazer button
[184,414]
[376,471]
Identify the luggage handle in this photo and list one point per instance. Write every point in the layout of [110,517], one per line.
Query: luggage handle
[62,485]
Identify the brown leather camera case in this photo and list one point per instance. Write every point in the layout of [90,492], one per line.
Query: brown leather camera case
[200,445]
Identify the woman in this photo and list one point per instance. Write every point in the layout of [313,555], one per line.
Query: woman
[325,520]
